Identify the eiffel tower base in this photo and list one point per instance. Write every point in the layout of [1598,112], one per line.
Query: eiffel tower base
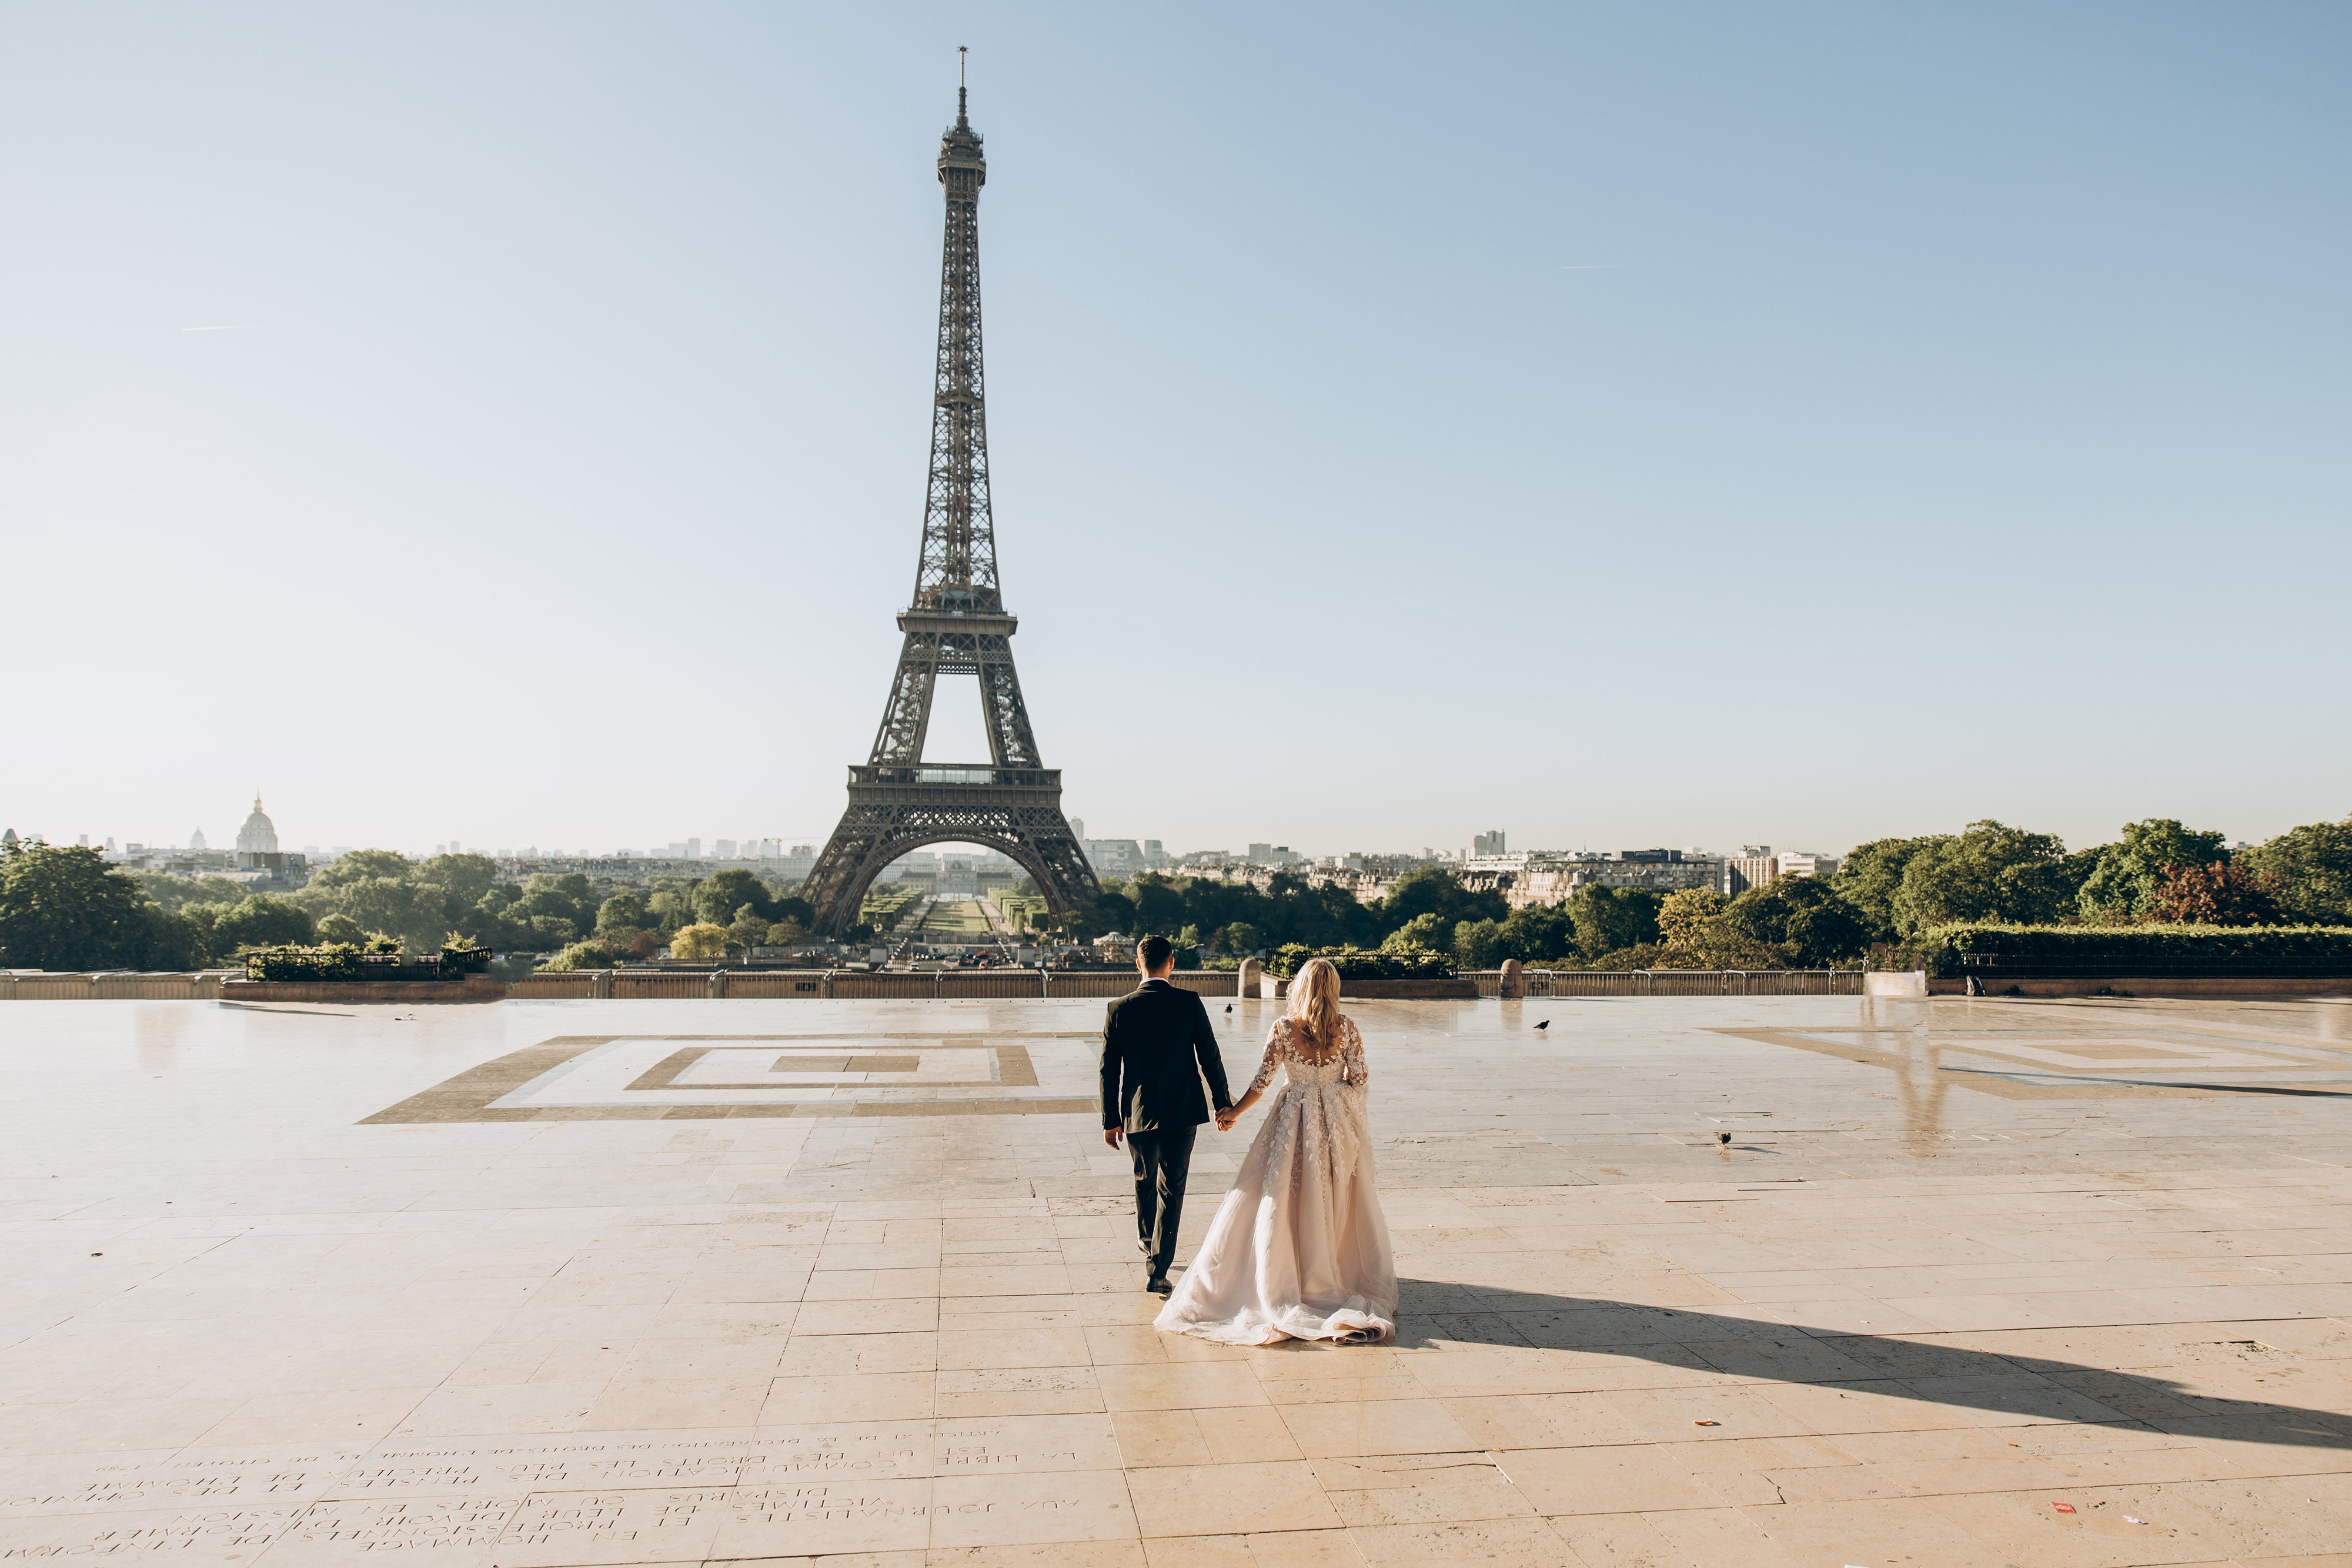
[893,809]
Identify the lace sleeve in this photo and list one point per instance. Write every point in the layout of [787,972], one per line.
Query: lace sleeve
[1266,1069]
[1352,1055]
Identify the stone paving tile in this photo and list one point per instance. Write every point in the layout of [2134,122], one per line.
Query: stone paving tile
[1894,1320]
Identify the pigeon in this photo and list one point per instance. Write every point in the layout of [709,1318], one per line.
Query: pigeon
[1546,1024]
[1723,1137]
[1229,1006]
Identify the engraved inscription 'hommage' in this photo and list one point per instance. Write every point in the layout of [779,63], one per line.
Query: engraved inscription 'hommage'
[956,623]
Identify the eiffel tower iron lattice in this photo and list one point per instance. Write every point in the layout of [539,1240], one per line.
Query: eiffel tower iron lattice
[955,624]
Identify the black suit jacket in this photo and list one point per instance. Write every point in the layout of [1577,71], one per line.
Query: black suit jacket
[1157,1047]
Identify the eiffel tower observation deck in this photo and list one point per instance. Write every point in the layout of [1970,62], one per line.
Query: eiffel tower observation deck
[955,623]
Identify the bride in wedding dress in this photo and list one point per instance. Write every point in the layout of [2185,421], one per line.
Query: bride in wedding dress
[1299,1249]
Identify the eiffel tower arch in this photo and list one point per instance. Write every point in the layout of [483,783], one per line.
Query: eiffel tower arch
[956,623]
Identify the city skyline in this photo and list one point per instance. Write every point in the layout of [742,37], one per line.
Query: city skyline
[723,848]
[1807,427]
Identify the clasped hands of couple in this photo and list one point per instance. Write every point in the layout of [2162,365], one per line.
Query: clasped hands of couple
[1226,1116]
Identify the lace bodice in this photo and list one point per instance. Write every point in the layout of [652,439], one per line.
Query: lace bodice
[1287,1049]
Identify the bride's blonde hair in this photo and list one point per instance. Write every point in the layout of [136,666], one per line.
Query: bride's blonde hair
[1315,1001]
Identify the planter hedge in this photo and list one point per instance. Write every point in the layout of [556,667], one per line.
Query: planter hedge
[2057,952]
[1363,964]
[344,962]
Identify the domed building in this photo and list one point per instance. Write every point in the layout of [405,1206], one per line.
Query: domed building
[259,834]
[259,864]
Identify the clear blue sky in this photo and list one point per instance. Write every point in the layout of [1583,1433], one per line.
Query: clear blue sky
[1619,425]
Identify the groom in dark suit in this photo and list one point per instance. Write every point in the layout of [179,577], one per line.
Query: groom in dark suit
[1157,1047]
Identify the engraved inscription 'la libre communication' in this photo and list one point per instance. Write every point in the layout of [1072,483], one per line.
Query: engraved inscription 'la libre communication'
[955,624]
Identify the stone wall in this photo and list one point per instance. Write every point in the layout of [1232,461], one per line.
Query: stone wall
[473,988]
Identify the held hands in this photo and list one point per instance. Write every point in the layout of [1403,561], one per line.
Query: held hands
[1226,1117]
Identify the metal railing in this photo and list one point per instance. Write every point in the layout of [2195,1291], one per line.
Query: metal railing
[815,985]
[2006,966]
[1679,982]
[952,775]
[115,986]
[838,985]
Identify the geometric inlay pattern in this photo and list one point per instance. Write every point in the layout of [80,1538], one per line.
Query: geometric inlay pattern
[685,1077]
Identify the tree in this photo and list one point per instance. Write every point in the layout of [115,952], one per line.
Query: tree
[702,943]
[486,922]
[1872,874]
[421,905]
[624,911]
[1991,871]
[360,864]
[406,910]
[584,955]
[61,907]
[785,932]
[1700,929]
[1646,955]
[463,878]
[550,931]
[1685,918]
[670,910]
[2224,893]
[171,942]
[749,929]
[1610,918]
[717,896]
[1237,938]
[1476,944]
[1427,933]
[1538,935]
[1110,911]
[261,921]
[1158,907]
[570,897]
[1433,890]
[2310,870]
[339,927]
[176,894]
[2122,884]
[1802,918]
[1823,928]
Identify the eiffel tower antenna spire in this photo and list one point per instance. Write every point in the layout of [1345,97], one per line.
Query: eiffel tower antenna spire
[955,623]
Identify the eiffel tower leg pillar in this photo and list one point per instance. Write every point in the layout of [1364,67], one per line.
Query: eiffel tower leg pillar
[894,810]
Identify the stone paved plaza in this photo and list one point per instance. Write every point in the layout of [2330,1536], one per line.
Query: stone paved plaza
[615,1282]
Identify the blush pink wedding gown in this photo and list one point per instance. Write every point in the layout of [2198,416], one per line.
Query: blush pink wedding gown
[1299,1249]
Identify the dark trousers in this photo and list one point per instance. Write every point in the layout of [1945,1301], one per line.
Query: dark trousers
[1162,1160]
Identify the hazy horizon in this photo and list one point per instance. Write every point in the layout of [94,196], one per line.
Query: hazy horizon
[1622,428]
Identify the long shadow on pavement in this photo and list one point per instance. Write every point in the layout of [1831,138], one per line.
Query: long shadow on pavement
[1933,1368]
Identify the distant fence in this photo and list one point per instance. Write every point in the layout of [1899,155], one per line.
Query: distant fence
[814,985]
[862,984]
[923,985]
[115,986]
[1679,983]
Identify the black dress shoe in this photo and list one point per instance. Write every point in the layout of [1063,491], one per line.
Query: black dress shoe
[1158,1285]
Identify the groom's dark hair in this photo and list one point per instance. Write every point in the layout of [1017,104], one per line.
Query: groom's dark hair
[1154,951]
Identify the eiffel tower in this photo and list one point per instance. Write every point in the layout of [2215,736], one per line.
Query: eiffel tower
[955,624]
